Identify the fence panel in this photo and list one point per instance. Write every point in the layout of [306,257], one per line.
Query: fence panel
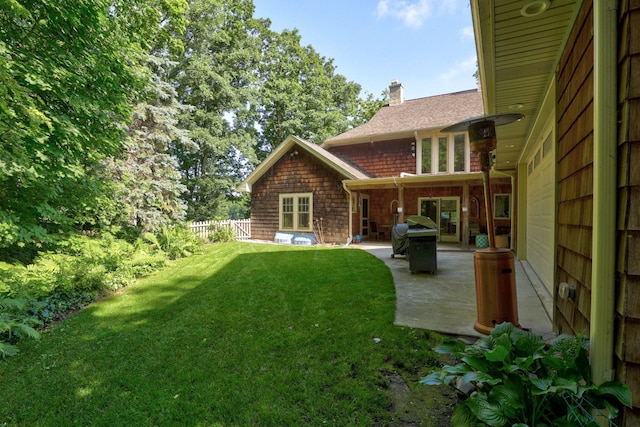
[241,228]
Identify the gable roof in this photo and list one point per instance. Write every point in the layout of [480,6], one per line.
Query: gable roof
[339,165]
[397,121]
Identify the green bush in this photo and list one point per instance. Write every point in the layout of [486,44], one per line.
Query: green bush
[178,242]
[82,269]
[519,381]
[221,233]
[14,325]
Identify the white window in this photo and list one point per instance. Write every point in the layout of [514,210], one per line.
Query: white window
[442,154]
[296,212]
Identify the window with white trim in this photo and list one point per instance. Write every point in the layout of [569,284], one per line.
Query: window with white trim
[442,154]
[296,212]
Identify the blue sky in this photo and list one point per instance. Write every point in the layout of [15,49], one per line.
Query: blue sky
[427,45]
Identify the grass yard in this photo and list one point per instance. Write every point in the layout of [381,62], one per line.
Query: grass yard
[243,334]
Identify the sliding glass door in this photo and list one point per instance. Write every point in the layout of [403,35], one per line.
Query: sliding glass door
[444,212]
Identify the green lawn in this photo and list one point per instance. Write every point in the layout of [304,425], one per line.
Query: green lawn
[243,334]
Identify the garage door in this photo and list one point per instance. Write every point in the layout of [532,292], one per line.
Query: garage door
[541,213]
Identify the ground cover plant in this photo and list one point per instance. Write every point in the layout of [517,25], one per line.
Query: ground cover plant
[519,381]
[76,272]
[242,334]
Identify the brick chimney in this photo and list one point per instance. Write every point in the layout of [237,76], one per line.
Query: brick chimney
[396,93]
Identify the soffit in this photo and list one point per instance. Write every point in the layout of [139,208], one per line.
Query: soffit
[517,57]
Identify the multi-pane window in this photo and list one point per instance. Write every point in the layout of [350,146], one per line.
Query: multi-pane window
[444,154]
[458,153]
[426,155]
[296,212]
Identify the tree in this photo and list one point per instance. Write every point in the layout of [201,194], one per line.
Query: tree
[68,78]
[217,76]
[146,174]
[301,94]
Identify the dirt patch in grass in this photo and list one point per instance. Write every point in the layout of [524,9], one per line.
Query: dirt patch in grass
[418,404]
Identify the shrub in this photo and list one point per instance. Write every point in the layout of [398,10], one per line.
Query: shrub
[83,268]
[178,242]
[221,233]
[519,381]
[13,325]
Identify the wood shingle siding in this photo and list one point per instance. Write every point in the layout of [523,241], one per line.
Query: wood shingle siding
[575,174]
[628,224]
[300,173]
[380,159]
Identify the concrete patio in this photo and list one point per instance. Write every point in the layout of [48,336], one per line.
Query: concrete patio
[445,302]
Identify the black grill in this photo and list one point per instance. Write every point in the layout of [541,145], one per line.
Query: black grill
[416,239]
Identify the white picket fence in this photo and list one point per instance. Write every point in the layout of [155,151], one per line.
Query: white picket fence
[241,228]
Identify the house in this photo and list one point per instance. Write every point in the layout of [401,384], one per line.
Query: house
[572,67]
[362,182]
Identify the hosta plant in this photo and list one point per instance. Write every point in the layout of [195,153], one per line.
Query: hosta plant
[515,379]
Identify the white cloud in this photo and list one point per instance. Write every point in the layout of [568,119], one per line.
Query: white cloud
[467,32]
[411,13]
[466,67]
[448,6]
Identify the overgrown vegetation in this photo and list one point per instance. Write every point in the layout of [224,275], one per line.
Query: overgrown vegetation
[120,120]
[518,381]
[242,334]
[221,233]
[82,269]
[140,114]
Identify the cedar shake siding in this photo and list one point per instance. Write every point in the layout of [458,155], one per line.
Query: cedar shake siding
[300,173]
[575,175]
[380,159]
[575,190]
[628,235]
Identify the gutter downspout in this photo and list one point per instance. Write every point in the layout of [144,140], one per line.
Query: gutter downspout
[604,190]
[350,236]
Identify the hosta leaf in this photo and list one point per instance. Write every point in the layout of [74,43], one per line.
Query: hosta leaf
[498,354]
[434,378]
[505,328]
[463,417]
[448,348]
[504,341]
[477,363]
[481,377]
[508,399]
[529,344]
[617,390]
[541,383]
[486,411]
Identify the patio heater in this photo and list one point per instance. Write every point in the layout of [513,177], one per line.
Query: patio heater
[494,267]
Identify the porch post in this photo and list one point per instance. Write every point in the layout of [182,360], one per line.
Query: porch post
[400,204]
[465,215]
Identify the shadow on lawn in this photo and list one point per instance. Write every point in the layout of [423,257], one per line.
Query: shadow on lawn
[243,334]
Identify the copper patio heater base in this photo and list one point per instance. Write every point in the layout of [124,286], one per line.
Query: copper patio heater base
[494,268]
[495,289]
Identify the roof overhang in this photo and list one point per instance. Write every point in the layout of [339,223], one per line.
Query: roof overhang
[314,150]
[408,181]
[377,137]
[518,53]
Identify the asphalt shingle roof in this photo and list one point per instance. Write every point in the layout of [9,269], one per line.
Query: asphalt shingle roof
[416,114]
[332,159]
